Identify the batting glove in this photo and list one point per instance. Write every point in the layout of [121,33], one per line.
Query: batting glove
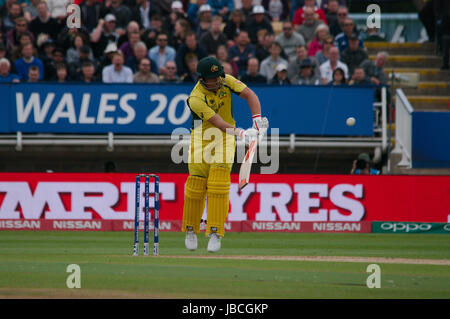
[246,135]
[256,119]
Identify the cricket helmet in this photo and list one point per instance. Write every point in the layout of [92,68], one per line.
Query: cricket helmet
[210,67]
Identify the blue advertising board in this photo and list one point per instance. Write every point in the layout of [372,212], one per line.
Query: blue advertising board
[431,140]
[159,109]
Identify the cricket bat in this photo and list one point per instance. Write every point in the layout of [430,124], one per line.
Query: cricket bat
[246,166]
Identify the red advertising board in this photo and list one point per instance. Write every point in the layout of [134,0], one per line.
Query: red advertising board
[272,198]
[175,226]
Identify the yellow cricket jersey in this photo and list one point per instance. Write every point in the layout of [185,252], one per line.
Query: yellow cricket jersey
[209,145]
[205,104]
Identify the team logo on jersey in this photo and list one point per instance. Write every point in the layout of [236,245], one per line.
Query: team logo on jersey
[214,68]
[222,94]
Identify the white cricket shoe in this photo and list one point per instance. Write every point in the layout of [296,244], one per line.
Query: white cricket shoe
[214,242]
[191,240]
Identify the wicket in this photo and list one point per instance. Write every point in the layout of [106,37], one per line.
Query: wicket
[146,214]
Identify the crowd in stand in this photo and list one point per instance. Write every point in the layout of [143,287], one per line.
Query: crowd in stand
[161,41]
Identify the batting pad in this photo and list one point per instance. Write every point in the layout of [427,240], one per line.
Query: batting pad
[218,189]
[194,202]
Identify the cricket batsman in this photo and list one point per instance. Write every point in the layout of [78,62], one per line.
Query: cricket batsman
[212,148]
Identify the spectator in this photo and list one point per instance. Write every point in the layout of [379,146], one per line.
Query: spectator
[204,20]
[445,39]
[61,73]
[295,5]
[164,6]
[221,7]
[122,14]
[175,14]
[128,47]
[170,74]
[46,57]
[222,56]
[58,56]
[280,77]
[374,72]
[308,28]
[6,6]
[341,40]
[278,10]
[327,68]
[140,52]
[84,56]
[3,53]
[227,69]
[88,73]
[144,75]
[44,23]
[427,15]
[373,35]
[12,36]
[33,75]
[73,53]
[270,64]
[338,77]
[104,34]
[294,64]
[300,17]
[192,62]
[374,69]
[22,3]
[306,76]
[190,47]
[26,61]
[106,59]
[117,72]
[58,8]
[256,22]
[338,26]
[65,36]
[51,57]
[252,75]
[233,26]
[30,11]
[241,52]
[162,53]
[193,11]
[91,13]
[289,39]
[177,8]
[212,39]
[322,55]
[262,47]
[156,27]
[132,27]
[178,37]
[325,5]
[8,22]
[24,38]
[316,44]
[332,12]
[359,77]
[143,11]
[5,75]
[353,56]
[363,166]
[247,8]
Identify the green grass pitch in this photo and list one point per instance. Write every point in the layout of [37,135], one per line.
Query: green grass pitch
[34,264]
